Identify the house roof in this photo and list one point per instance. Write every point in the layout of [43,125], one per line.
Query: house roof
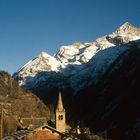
[22,133]
[17,135]
[50,128]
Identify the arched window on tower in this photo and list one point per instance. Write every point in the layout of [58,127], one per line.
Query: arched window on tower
[60,117]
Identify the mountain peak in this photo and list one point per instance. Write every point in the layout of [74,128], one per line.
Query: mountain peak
[124,34]
[127,28]
[126,25]
[43,55]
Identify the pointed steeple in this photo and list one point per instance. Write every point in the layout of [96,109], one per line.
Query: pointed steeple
[60,104]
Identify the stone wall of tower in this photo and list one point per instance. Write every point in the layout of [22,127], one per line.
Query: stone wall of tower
[60,121]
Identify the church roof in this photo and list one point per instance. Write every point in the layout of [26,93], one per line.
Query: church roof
[60,104]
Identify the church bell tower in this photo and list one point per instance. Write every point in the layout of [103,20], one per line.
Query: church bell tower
[60,116]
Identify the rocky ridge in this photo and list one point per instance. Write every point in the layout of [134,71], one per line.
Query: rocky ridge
[78,62]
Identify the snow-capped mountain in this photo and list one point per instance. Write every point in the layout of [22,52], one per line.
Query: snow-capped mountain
[78,65]
[112,105]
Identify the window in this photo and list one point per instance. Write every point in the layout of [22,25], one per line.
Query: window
[60,117]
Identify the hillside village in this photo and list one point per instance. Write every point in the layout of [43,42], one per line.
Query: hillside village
[38,128]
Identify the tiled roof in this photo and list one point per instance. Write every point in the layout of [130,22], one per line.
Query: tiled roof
[22,133]
[17,135]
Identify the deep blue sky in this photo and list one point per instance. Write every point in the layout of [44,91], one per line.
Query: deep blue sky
[28,27]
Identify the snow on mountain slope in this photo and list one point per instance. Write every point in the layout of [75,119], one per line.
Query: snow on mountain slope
[43,62]
[80,64]
[96,68]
